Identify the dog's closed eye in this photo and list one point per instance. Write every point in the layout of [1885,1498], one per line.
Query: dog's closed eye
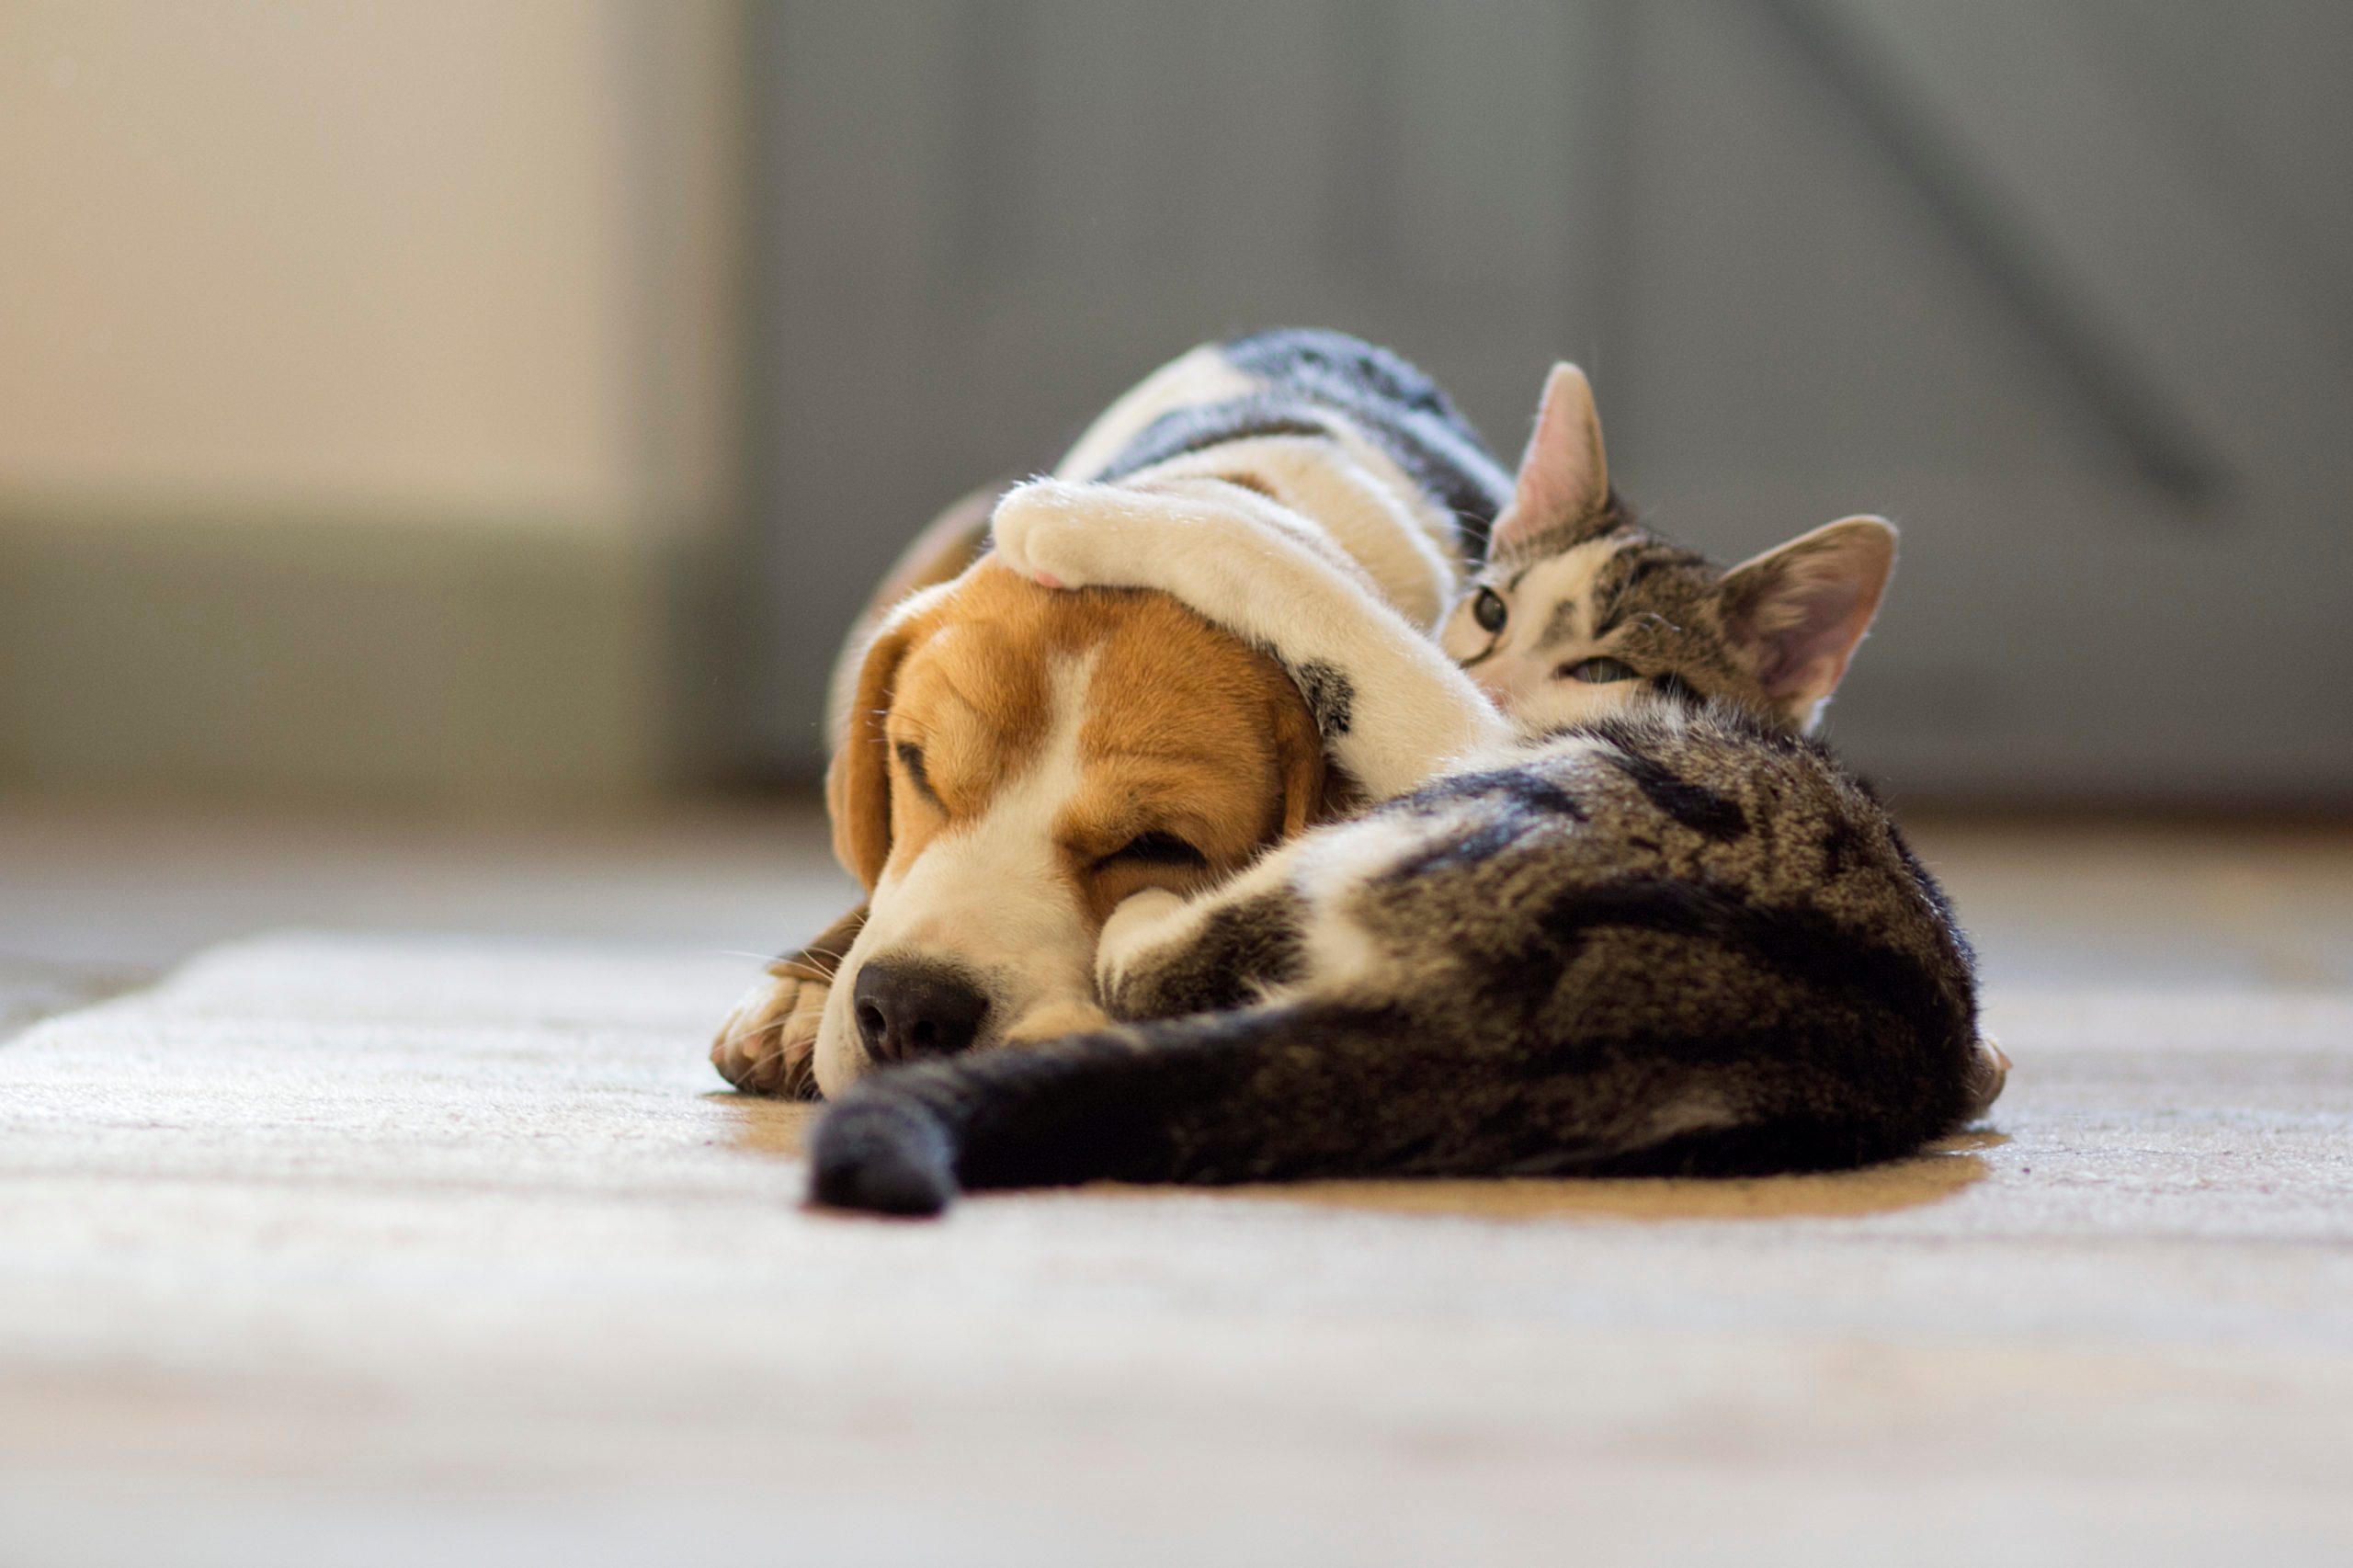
[911,758]
[1158,849]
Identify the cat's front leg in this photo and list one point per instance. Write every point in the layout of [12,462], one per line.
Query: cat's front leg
[1161,956]
[1145,923]
[1393,709]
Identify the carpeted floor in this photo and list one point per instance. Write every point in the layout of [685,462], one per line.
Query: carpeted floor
[359,1251]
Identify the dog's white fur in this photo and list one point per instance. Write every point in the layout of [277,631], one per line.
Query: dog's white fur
[990,897]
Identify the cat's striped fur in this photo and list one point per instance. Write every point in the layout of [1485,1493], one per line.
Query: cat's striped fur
[1648,928]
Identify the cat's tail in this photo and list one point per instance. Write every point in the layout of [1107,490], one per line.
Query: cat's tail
[1306,1089]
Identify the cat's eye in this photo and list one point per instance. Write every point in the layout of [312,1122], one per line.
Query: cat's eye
[1489,610]
[1159,849]
[1600,671]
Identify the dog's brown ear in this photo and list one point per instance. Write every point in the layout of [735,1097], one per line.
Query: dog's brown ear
[857,783]
[1310,781]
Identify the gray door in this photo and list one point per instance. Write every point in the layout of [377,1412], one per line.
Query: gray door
[2061,288]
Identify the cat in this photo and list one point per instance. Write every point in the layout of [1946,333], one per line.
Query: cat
[1645,925]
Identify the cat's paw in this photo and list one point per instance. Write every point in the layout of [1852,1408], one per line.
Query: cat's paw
[768,1044]
[1141,922]
[1060,535]
[1988,1076]
[1138,916]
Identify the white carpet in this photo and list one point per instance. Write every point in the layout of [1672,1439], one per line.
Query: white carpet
[340,1251]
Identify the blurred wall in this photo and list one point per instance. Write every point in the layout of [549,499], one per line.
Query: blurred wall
[368,389]
[2058,284]
[452,400]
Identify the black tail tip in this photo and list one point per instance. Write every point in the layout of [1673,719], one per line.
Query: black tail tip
[883,1158]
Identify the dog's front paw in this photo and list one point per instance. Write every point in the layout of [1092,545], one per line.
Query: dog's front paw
[768,1044]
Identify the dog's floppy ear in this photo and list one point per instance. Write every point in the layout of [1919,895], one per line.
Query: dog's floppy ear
[1311,786]
[857,784]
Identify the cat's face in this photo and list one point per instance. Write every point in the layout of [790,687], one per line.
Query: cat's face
[1616,615]
[1579,612]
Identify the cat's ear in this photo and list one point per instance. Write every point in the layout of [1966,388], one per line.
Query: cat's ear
[1563,477]
[1798,611]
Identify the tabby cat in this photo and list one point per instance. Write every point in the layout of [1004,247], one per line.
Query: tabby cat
[1647,926]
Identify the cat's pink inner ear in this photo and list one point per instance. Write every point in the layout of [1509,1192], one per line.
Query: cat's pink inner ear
[1564,475]
[1801,610]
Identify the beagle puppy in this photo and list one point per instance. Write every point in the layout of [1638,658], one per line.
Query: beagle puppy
[1011,762]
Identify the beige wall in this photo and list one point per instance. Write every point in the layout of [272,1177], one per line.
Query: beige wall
[367,387]
[386,257]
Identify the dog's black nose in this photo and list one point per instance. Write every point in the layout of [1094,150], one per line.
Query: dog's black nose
[907,1010]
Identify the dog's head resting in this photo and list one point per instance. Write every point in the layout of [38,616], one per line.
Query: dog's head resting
[1015,762]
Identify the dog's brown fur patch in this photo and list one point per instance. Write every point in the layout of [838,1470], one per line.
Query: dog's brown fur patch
[1187,732]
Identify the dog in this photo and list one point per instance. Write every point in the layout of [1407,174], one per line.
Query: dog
[1011,763]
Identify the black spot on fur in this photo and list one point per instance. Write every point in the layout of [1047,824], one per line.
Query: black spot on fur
[1696,806]
[1533,804]
[1480,845]
[1522,787]
[1314,373]
[1331,696]
[1316,356]
[1838,849]
[1799,943]
[1183,430]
